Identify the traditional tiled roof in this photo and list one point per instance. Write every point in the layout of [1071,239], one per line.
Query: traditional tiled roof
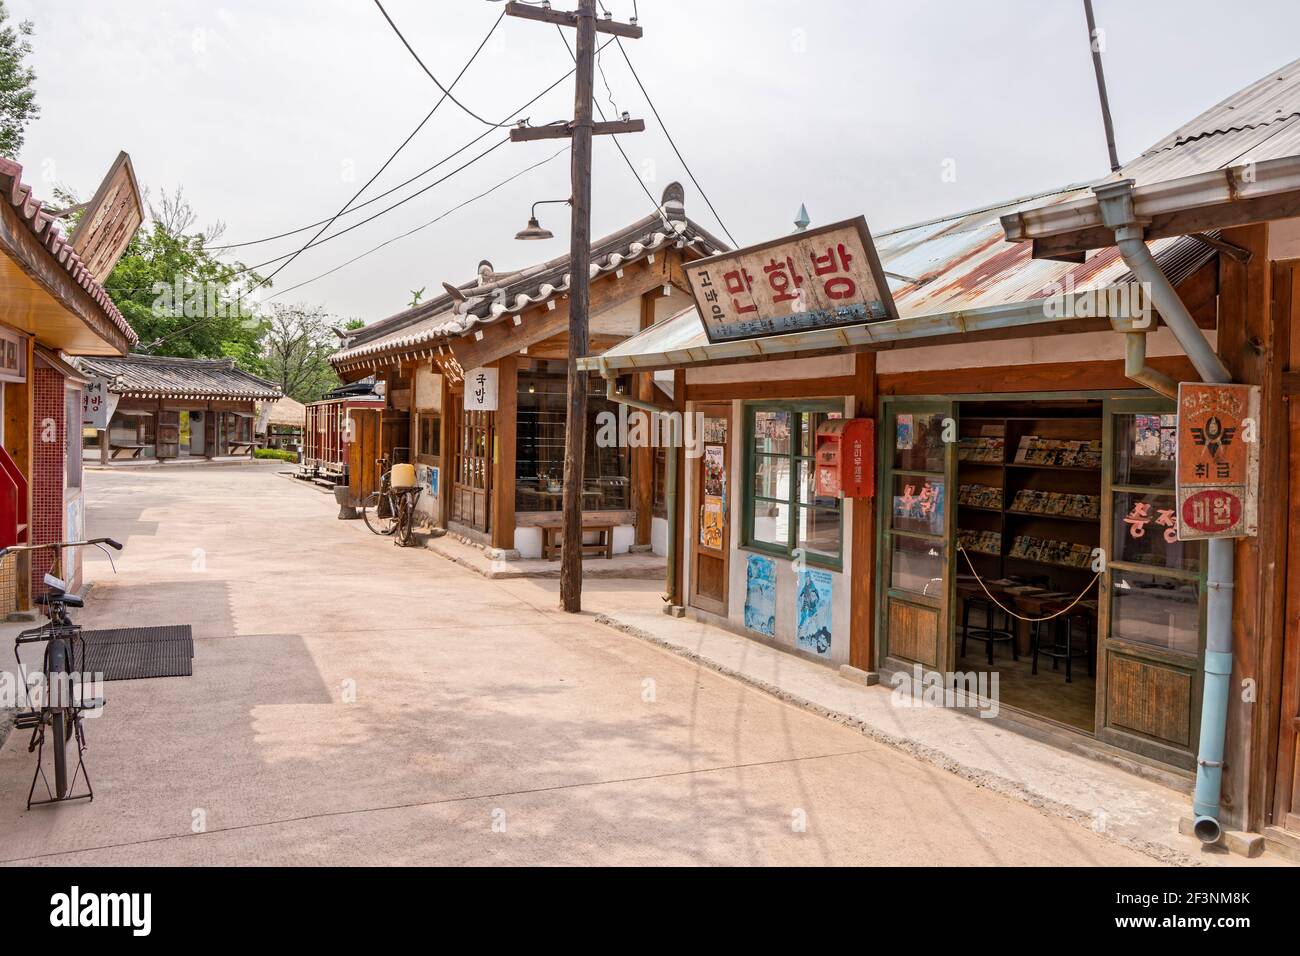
[492,296]
[161,376]
[19,195]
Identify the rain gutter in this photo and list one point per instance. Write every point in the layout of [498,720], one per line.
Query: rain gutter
[1116,206]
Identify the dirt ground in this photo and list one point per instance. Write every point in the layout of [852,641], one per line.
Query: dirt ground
[357,703]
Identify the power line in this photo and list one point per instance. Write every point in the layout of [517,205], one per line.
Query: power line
[671,143]
[411,232]
[356,225]
[446,91]
[635,175]
[388,192]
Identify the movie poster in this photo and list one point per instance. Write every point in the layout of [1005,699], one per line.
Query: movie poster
[905,435]
[711,523]
[760,595]
[814,609]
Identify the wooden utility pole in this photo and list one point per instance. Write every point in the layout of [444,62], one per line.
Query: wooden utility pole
[581,130]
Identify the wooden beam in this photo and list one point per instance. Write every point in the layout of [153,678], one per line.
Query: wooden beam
[1044,377]
[566,19]
[838,386]
[503,458]
[643,458]
[527,134]
[862,533]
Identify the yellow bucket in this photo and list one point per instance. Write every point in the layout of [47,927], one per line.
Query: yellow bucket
[403,476]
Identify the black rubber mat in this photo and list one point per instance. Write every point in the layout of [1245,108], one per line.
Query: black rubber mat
[134,653]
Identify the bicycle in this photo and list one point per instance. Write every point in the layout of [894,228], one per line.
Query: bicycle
[390,510]
[62,699]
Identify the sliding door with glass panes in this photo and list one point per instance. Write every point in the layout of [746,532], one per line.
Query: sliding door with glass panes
[918,459]
[1152,596]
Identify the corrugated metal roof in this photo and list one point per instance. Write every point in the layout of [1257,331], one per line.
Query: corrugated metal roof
[160,376]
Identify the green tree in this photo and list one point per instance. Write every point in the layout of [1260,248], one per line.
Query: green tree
[180,299]
[296,348]
[17,97]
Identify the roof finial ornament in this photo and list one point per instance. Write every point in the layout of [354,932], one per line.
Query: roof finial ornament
[673,201]
[801,221]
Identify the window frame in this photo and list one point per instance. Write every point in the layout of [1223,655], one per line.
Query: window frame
[796,408]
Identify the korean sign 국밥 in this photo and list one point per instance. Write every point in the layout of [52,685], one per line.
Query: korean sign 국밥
[481,390]
[1218,460]
[822,278]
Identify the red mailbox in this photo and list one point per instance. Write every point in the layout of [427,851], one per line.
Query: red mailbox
[846,450]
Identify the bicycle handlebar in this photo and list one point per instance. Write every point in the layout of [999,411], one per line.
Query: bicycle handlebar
[116,545]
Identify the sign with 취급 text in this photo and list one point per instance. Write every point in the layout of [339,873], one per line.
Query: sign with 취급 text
[1218,460]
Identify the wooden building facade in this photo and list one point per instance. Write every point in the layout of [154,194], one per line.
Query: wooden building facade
[1015,441]
[51,305]
[492,473]
[164,408]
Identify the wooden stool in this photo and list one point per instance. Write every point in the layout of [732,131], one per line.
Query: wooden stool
[990,633]
[1065,650]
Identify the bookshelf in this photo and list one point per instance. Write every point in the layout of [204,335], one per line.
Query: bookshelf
[1029,495]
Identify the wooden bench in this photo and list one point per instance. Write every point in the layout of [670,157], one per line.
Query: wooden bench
[551,543]
[240,448]
[132,451]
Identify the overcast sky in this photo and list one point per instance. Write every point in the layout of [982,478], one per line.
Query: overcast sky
[272,113]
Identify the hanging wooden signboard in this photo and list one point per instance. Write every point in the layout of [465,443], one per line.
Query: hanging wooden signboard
[110,219]
[481,390]
[1218,460]
[822,278]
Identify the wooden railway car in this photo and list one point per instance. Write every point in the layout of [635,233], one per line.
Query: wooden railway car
[330,431]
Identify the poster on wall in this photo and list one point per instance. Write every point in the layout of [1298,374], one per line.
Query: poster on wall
[715,471]
[903,439]
[760,595]
[715,429]
[711,523]
[813,632]
[433,477]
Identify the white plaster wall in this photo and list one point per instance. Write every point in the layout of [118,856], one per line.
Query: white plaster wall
[777,370]
[786,577]
[1284,239]
[528,542]
[1077,347]
[659,536]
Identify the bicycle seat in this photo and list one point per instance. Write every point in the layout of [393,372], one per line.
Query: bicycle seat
[60,597]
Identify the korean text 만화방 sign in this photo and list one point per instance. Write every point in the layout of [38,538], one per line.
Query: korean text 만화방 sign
[822,278]
[1218,460]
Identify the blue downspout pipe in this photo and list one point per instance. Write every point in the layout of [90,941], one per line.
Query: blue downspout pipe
[1116,202]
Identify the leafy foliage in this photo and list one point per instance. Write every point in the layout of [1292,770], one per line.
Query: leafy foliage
[295,349]
[18,105]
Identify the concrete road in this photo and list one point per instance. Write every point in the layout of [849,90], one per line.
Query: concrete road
[356,703]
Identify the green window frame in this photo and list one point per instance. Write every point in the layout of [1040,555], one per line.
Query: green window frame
[801,510]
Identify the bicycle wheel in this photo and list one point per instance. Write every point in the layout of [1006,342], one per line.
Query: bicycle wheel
[405,521]
[373,507]
[58,724]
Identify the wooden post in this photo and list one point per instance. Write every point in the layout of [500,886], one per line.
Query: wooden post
[643,458]
[580,130]
[863,531]
[446,454]
[503,463]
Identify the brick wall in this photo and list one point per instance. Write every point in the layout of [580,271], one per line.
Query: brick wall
[49,457]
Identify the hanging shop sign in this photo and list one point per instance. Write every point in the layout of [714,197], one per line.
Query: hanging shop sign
[1218,460]
[109,220]
[823,278]
[481,390]
[97,403]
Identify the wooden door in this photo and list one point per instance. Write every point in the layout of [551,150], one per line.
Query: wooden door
[365,463]
[914,594]
[471,489]
[711,499]
[169,433]
[1151,607]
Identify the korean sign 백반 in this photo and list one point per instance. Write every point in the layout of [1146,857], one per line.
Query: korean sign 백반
[822,278]
[1218,460]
